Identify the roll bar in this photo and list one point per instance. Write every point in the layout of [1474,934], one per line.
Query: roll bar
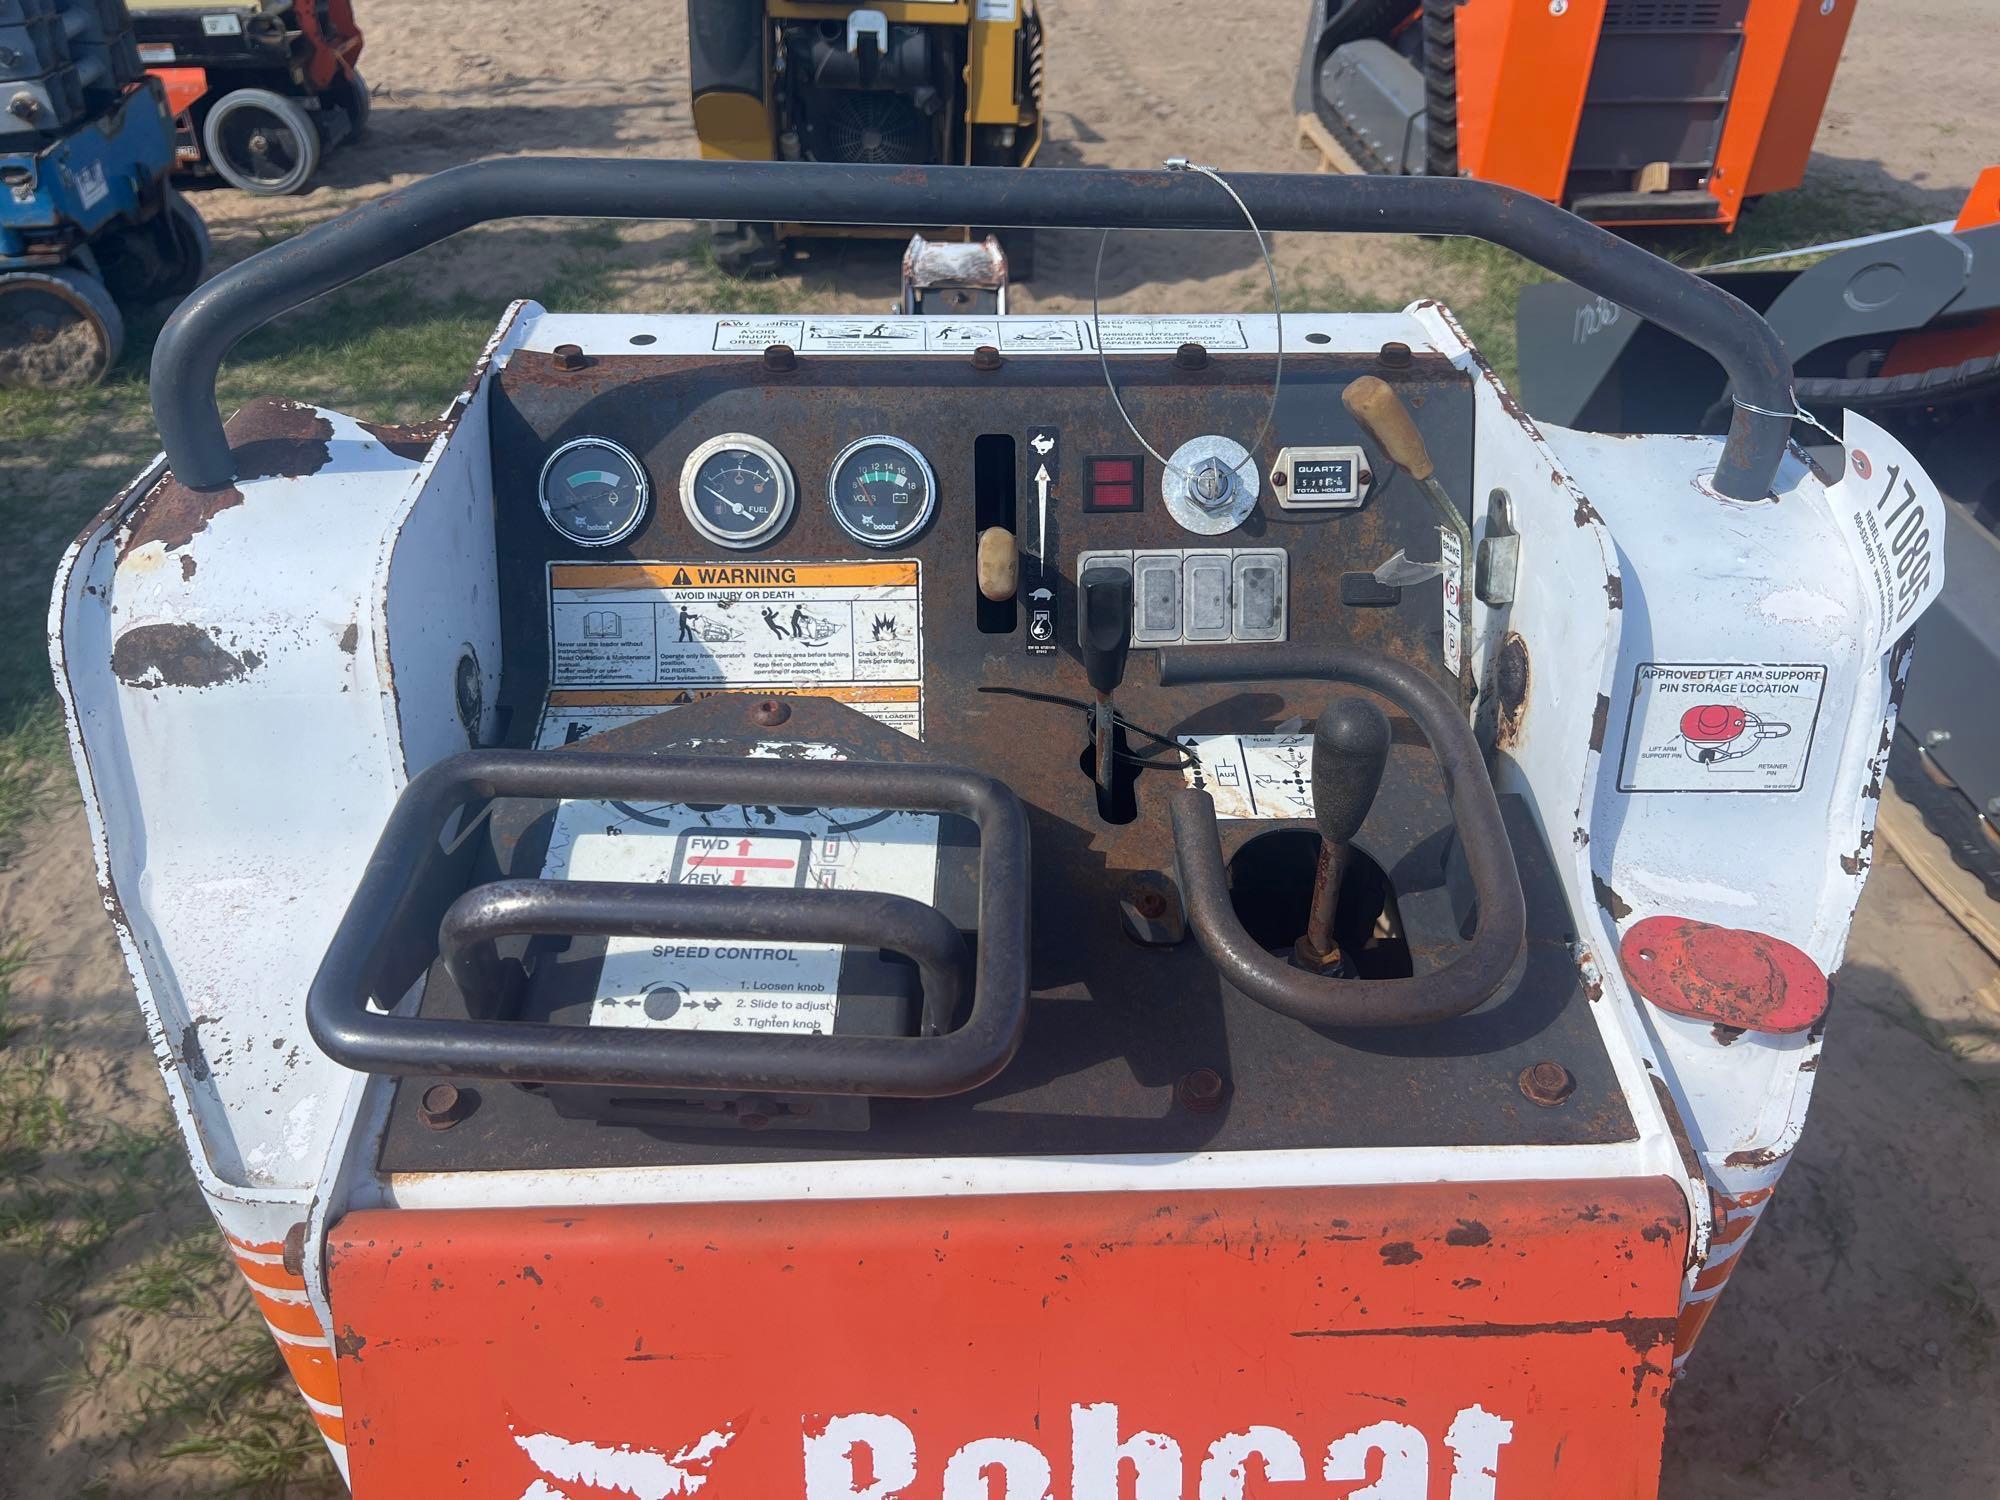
[208,324]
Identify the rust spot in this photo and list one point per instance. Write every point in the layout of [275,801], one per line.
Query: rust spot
[1676,1127]
[187,567]
[1763,1156]
[1469,1232]
[1853,864]
[1609,899]
[1614,590]
[529,1273]
[1586,513]
[1599,719]
[1579,836]
[349,638]
[192,1057]
[1643,1334]
[348,1344]
[1593,987]
[1810,1065]
[270,439]
[1511,674]
[411,441]
[156,656]
[1725,1036]
[1658,1233]
[1401,1253]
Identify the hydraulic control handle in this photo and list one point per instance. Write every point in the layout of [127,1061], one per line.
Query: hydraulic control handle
[189,354]
[1320,999]
[406,911]
[1105,639]
[1350,751]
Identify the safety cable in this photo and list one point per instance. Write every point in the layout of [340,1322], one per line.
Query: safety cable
[1182,164]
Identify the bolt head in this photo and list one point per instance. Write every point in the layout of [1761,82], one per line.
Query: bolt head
[780,357]
[1209,485]
[442,1106]
[1201,1091]
[1547,1083]
[771,712]
[1191,357]
[986,357]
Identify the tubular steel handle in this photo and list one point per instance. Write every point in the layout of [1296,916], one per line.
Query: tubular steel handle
[208,324]
[362,963]
[1463,984]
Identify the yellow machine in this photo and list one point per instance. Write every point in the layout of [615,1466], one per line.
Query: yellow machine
[911,82]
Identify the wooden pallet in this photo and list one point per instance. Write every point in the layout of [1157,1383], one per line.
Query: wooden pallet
[1333,157]
[1901,826]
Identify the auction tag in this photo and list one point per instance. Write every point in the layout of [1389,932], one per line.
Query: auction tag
[1893,519]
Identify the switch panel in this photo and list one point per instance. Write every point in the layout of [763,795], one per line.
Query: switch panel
[1203,595]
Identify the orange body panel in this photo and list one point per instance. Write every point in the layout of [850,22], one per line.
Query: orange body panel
[1208,1345]
[184,86]
[1522,75]
[1790,51]
[1982,204]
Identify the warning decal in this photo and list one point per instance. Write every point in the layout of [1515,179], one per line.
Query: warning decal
[667,633]
[1252,775]
[1720,727]
[721,984]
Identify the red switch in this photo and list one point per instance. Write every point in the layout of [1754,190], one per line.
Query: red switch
[1112,483]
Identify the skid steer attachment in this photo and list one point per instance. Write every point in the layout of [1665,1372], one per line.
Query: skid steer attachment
[777,905]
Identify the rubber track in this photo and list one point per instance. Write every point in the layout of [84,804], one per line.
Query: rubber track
[1441,88]
[1947,812]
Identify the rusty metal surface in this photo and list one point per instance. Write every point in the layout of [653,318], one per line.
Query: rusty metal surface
[156,656]
[270,438]
[1750,981]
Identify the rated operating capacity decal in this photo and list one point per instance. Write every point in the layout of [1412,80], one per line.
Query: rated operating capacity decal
[1720,726]
[722,984]
[629,639]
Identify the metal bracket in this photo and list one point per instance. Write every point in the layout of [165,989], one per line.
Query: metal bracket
[1499,555]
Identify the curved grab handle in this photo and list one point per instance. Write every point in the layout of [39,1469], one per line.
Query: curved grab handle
[1468,980]
[208,324]
[375,953]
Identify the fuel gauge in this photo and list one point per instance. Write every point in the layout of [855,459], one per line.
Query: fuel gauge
[737,490]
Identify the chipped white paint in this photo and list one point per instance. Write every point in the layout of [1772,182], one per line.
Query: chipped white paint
[645,1473]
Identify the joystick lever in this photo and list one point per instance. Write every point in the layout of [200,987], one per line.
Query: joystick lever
[1104,632]
[1350,750]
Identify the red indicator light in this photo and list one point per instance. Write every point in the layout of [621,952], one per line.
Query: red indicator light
[1114,484]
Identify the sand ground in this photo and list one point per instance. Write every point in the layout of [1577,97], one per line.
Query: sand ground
[1856,1351]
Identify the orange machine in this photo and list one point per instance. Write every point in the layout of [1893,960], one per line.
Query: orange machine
[1623,111]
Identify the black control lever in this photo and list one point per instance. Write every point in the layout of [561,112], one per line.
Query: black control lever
[1480,969]
[1104,631]
[1350,751]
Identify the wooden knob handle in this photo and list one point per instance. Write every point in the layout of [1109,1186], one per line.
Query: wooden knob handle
[1382,414]
[999,564]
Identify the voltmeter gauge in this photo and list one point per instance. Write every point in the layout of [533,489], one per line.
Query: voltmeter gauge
[594,492]
[882,491]
[737,490]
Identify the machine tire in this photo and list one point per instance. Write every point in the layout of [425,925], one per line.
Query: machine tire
[261,142]
[350,92]
[747,250]
[191,246]
[59,329]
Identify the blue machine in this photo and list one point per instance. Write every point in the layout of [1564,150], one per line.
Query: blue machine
[88,220]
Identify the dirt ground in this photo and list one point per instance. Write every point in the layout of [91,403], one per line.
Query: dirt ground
[1857,1352]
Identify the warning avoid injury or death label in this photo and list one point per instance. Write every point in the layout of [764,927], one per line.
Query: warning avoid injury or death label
[629,639]
[724,984]
[1720,727]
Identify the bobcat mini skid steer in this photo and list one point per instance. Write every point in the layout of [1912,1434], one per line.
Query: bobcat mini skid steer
[774,906]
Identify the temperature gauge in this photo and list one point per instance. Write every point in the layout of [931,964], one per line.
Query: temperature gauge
[593,492]
[737,490]
[882,491]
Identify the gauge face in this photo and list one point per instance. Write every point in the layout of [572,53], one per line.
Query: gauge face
[593,492]
[882,491]
[737,490]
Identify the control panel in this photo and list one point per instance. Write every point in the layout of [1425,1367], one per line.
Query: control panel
[824,548]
